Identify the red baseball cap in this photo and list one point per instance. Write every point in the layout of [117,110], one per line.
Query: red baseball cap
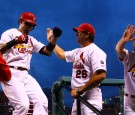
[85,27]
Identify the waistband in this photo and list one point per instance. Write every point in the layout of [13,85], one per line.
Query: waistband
[128,95]
[18,68]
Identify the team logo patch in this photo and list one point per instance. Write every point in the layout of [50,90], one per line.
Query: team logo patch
[82,58]
[21,46]
[78,65]
[132,69]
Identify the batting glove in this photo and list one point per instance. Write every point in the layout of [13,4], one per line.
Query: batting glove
[22,39]
[57,32]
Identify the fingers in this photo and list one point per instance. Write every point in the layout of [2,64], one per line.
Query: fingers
[131,29]
[129,32]
[48,30]
[49,33]
[132,32]
[73,92]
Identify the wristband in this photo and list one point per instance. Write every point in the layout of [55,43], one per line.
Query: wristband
[11,43]
[50,47]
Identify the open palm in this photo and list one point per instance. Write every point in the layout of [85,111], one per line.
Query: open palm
[128,34]
[49,33]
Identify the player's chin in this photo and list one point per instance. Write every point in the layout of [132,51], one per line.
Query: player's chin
[27,31]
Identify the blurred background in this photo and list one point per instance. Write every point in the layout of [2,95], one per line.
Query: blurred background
[110,18]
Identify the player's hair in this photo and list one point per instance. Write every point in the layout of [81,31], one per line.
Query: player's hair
[91,38]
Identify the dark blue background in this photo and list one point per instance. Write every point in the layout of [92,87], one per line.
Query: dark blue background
[109,17]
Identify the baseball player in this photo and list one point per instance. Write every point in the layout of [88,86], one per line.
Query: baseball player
[128,59]
[18,47]
[89,68]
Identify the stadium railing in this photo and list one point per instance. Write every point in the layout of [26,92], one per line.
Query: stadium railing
[58,107]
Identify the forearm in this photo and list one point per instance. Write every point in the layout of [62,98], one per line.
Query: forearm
[48,49]
[5,46]
[120,48]
[94,81]
[59,52]
[50,46]
[19,39]
[53,40]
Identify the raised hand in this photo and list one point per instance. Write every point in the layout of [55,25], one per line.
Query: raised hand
[129,33]
[49,33]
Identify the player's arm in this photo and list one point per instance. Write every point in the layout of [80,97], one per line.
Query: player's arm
[48,49]
[120,48]
[94,81]
[3,47]
[18,40]
[127,37]
[59,52]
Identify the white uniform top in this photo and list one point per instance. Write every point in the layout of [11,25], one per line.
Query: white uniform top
[86,61]
[20,54]
[129,72]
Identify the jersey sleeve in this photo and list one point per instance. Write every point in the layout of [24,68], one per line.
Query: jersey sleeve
[98,60]
[5,37]
[126,57]
[36,45]
[70,55]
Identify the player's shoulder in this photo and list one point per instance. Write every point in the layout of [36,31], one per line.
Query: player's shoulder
[32,37]
[11,30]
[76,50]
[95,48]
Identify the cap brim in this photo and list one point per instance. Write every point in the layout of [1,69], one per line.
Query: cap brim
[29,21]
[76,29]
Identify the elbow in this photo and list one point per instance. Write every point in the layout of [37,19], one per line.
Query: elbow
[119,49]
[103,76]
[101,73]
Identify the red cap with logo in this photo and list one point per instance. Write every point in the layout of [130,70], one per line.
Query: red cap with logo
[86,28]
[28,17]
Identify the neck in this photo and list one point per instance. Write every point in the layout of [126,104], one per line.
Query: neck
[24,32]
[86,44]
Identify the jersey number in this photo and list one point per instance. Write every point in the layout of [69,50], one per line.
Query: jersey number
[80,73]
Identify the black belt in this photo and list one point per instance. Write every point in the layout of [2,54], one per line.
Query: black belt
[132,96]
[18,68]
